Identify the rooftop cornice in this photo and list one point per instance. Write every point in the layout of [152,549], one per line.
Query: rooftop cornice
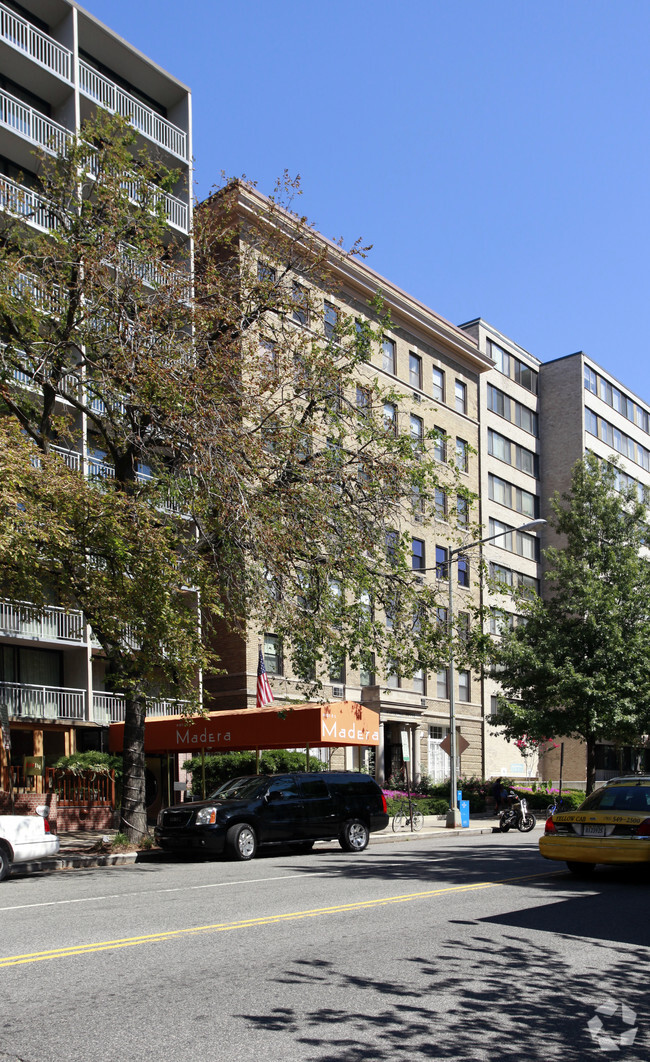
[358,275]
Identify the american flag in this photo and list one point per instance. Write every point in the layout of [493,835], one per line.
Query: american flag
[264,692]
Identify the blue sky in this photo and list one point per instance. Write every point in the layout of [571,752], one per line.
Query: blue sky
[495,153]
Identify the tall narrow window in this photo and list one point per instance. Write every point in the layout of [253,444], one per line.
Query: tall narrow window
[463,571]
[461,397]
[441,562]
[330,320]
[417,430]
[462,511]
[272,654]
[417,554]
[415,371]
[442,685]
[440,503]
[463,686]
[438,384]
[390,417]
[300,304]
[440,444]
[388,350]
[461,454]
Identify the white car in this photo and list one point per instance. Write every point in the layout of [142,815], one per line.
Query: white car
[25,837]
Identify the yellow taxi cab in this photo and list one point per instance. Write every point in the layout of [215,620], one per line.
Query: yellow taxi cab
[611,826]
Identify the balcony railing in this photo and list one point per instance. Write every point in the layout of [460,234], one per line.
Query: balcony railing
[107,94]
[110,708]
[53,138]
[54,624]
[31,124]
[24,701]
[26,204]
[38,46]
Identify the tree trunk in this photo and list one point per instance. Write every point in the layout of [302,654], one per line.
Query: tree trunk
[591,763]
[133,817]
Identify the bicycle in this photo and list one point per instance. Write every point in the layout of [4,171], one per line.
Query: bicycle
[558,804]
[408,815]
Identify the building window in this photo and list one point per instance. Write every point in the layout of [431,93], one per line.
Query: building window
[440,503]
[393,679]
[461,455]
[438,384]
[417,430]
[417,554]
[367,673]
[419,681]
[519,542]
[388,352]
[511,410]
[442,685]
[300,298]
[522,501]
[330,320]
[392,540]
[513,367]
[463,686]
[390,417]
[462,511]
[440,444]
[511,453]
[415,371]
[441,562]
[363,400]
[337,669]
[265,273]
[273,654]
[463,571]
[461,397]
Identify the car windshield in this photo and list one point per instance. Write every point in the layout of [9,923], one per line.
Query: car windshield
[619,798]
[240,788]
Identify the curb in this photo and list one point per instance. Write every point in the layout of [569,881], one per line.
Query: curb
[82,860]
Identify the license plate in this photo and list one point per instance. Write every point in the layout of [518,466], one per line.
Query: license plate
[593,831]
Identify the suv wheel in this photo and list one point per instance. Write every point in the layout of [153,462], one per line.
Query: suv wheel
[354,836]
[241,842]
[5,862]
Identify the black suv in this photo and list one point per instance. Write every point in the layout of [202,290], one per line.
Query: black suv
[295,809]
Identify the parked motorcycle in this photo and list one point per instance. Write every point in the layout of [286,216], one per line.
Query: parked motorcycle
[516,814]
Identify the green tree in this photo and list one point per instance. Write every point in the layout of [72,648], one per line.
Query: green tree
[172,434]
[580,663]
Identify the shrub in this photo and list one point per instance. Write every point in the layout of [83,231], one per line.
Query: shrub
[99,762]
[539,800]
[221,766]
[427,805]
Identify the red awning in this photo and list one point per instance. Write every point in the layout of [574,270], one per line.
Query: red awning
[292,726]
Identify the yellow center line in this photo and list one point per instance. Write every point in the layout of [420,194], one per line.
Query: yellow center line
[248,923]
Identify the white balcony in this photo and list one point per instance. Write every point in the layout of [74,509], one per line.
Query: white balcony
[54,624]
[51,137]
[24,203]
[156,128]
[24,701]
[20,34]
[32,125]
[110,708]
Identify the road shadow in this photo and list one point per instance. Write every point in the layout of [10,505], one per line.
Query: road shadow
[472,997]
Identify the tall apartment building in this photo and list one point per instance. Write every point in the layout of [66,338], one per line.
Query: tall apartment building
[584,408]
[435,369]
[536,420]
[510,496]
[58,65]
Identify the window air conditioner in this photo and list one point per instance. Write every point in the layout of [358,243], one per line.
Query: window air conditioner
[338,692]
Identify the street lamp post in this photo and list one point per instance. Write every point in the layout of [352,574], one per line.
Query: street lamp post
[453,815]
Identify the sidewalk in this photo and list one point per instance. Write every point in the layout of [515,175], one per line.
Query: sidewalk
[79,848]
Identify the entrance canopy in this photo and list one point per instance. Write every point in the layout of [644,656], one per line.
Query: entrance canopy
[293,726]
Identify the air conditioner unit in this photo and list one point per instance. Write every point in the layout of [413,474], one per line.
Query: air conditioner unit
[338,692]
[423,702]
[417,397]
[417,518]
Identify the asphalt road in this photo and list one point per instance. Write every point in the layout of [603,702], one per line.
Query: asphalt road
[448,948]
